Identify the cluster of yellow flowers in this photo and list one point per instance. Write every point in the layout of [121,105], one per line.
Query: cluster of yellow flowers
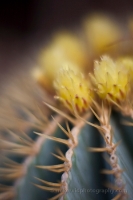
[64,65]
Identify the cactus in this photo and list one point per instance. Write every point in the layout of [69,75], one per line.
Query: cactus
[69,135]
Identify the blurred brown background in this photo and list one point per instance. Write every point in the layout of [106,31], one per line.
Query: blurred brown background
[26,24]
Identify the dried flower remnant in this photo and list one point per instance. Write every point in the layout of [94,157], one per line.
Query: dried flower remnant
[73,89]
[110,79]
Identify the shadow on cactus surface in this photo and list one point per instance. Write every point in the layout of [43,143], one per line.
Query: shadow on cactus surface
[68,134]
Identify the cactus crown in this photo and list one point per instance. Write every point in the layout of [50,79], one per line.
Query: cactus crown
[59,154]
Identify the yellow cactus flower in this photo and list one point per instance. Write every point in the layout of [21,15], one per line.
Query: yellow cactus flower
[45,81]
[72,47]
[64,48]
[101,31]
[73,89]
[127,63]
[110,79]
[51,59]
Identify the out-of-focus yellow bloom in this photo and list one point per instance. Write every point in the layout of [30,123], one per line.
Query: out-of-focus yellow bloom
[110,79]
[73,89]
[101,31]
[51,59]
[72,48]
[65,48]
[127,63]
